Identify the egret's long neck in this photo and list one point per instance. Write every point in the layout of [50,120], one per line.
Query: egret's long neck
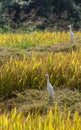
[70,29]
[47,79]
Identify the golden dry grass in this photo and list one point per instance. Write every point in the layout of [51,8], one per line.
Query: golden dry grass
[53,120]
[36,38]
[18,74]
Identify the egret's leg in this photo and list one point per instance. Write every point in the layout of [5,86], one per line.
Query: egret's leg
[50,100]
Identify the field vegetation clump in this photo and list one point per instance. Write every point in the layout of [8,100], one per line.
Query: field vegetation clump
[26,73]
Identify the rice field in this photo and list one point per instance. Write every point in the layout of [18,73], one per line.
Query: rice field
[27,72]
[53,120]
[19,74]
[35,39]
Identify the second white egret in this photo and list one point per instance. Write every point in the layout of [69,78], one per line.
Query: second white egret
[71,34]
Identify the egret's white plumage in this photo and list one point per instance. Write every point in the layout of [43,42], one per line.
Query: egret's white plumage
[71,34]
[49,87]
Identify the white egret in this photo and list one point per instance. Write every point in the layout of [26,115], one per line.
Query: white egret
[49,87]
[71,34]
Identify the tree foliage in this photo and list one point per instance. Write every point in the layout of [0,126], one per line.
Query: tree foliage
[42,8]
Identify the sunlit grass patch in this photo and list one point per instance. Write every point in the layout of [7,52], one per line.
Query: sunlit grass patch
[36,38]
[53,120]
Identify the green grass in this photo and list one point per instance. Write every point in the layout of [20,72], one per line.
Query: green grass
[24,45]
